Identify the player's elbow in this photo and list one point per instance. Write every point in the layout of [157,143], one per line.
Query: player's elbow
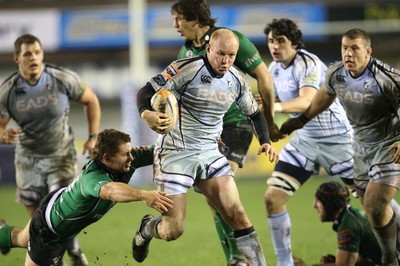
[107,192]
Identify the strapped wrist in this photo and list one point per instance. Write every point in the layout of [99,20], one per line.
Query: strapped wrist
[92,135]
[304,119]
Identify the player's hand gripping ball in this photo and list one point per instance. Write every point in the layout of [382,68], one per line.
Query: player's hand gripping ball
[165,102]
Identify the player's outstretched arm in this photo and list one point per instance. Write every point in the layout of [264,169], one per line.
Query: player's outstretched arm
[321,101]
[293,124]
[121,192]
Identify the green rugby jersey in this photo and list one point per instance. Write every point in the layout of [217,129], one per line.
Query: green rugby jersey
[247,59]
[79,205]
[354,234]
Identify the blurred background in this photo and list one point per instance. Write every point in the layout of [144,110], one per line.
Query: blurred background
[117,45]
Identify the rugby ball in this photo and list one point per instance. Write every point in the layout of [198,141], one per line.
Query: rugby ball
[165,102]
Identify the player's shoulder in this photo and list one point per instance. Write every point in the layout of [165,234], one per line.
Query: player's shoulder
[9,82]
[237,73]
[335,68]
[189,61]
[353,217]
[59,72]
[377,66]
[182,69]
[305,57]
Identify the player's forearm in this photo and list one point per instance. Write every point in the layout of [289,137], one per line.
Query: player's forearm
[261,127]
[120,192]
[143,98]
[266,89]
[93,114]
[321,101]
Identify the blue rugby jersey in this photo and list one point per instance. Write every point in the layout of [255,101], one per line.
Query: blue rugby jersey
[203,100]
[307,69]
[371,100]
[41,110]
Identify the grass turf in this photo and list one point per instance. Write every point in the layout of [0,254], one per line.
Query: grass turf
[108,242]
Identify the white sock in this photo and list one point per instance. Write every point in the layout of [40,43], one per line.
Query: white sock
[280,229]
[250,247]
[396,209]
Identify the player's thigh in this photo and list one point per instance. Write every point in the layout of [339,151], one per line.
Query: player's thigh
[292,170]
[336,157]
[221,192]
[374,164]
[27,172]
[31,182]
[177,171]
[60,171]
[44,246]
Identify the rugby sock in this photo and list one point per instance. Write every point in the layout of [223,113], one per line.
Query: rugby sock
[151,228]
[250,246]
[280,229]
[396,208]
[228,239]
[386,237]
[73,245]
[222,234]
[5,237]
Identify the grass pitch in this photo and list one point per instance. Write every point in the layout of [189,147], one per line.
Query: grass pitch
[108,242]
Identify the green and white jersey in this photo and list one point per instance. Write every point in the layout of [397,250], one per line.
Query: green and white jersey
[247,59]
[354,234]
[41,110]
[79,205]
[203,101]
[371,101]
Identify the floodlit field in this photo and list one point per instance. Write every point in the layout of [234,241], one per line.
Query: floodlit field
[108,242]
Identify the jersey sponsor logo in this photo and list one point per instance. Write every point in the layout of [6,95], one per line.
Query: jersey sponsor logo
[355,96]
[219,98]
[205,79]
[286,85]
[340,78]
[249,61]
[343,236]
[171,71]
[36,102]
[312,77]
[160,80]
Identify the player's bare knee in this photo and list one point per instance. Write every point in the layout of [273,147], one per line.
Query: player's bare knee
[173,234]
[375,212]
